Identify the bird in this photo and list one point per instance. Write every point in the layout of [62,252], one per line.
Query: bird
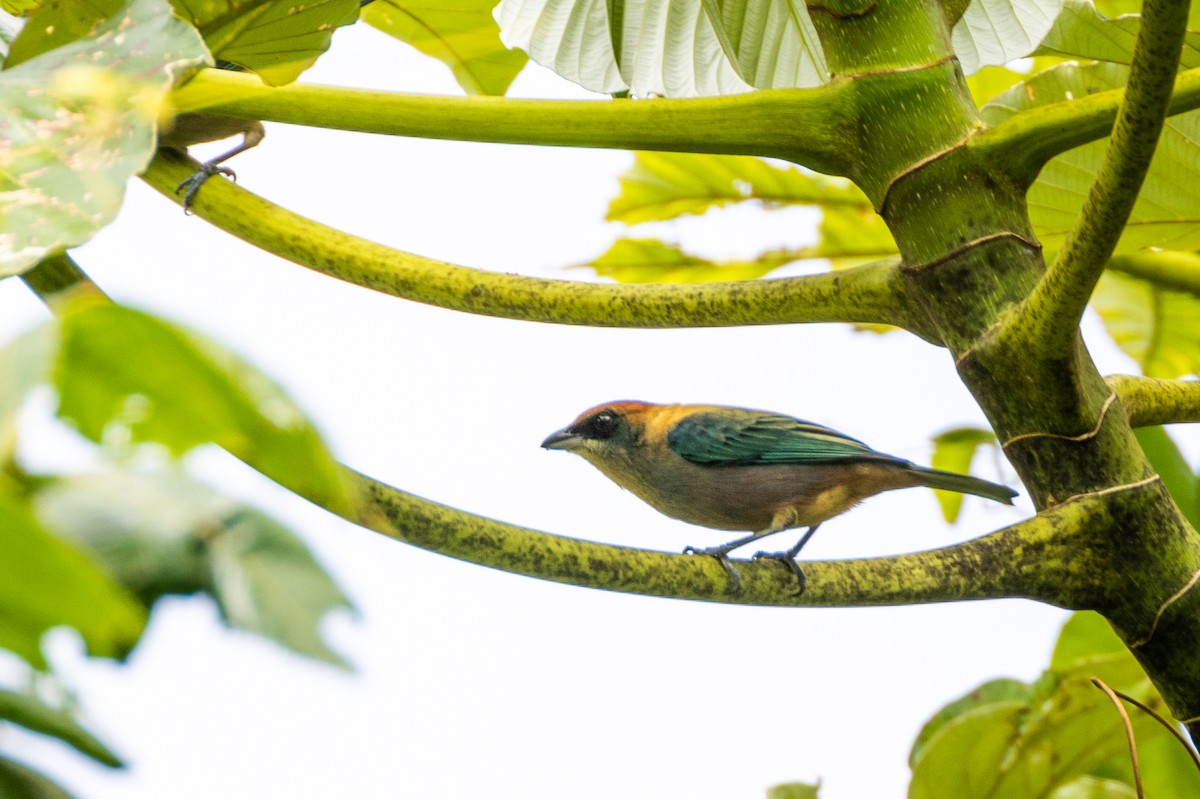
[731,468]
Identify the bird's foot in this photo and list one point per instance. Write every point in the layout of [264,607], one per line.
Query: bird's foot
[789,561]
[197,179]
[722,556]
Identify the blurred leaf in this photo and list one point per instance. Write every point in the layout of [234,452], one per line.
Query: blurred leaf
[1084,637]
[849,236]
[19,7]
[275,39]
[793,790]
[55,24]
[18,781]
[1177,474]
[165,533]
[1092,788]
[998,744]
[994,32]
[45,583]
[1169,203]
[663,186]
[124,376]
[463,36]
[78,123]
[1154,326]
[33,714]
[996,692]
[24,363]
[1081,31]
[655,261]
[953,451]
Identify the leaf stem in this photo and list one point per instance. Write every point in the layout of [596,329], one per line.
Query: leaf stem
[873,293]
[1049,317]
[1173,270]
[805,126]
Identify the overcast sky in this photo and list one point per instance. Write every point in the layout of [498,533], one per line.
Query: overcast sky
[472,681]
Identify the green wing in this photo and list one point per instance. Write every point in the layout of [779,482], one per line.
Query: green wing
[736,436]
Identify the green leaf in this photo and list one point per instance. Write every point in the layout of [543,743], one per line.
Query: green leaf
[661,186]
[18,781]
[45,583]
[994,32]
[1167,211]
[1085,637]
[464,36]
[772,43]
[1092,788]
[655,261]
[33,714]
[124,376]
[953,451]
[53,25]
[164,533]
[1154,326]
[275,39]
[1176,473]
[79,122]
[24,363]
[1010,741]
[793,790]
[1083,31]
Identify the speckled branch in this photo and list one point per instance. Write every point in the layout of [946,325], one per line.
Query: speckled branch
[1151,401]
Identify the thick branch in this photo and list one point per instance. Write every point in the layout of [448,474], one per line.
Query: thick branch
[1051,557]
[870,293]
[1150,401]
[806,126]
[1024,142]
[1050,315]
[1174,270]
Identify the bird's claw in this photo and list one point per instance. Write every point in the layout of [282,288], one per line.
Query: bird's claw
[197,179]
[789,561]
[722,556]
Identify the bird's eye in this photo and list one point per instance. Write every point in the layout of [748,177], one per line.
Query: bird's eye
[600,426]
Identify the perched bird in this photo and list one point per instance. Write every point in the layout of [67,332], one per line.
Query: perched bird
[740,469]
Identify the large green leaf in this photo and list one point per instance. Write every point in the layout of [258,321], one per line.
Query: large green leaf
[662,186]
[124,376]
[1167,212]
[994,32]
[772,43]
[464,36]
[1154,326]
[1059,737]
[163,533]
[1082,31]
[45,583]
[655,261]
[78,123]
[953,451]
[33,714]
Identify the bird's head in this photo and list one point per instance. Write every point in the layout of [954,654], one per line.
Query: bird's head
[603,431]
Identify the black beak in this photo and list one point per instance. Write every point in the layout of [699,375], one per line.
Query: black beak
[561,439]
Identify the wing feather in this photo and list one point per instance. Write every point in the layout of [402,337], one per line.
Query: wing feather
[736,436]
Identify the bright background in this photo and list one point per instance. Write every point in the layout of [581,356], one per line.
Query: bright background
[473,682]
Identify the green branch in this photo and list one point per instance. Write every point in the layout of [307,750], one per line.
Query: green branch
[805,126]
[1173,270]
[1052,558]
[1023,143]
[1151,401]
[873,293]
[1050,315]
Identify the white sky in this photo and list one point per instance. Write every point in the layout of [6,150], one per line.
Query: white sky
[473,682]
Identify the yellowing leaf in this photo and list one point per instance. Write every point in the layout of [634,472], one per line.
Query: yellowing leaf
[655,261]
[953,451]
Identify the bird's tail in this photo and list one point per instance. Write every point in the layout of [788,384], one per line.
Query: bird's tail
[963,484]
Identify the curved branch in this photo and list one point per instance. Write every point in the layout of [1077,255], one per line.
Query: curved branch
[873,293]
[805,126]
[1150,401]
[1049,317]
[1024,142]
[1051,557]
